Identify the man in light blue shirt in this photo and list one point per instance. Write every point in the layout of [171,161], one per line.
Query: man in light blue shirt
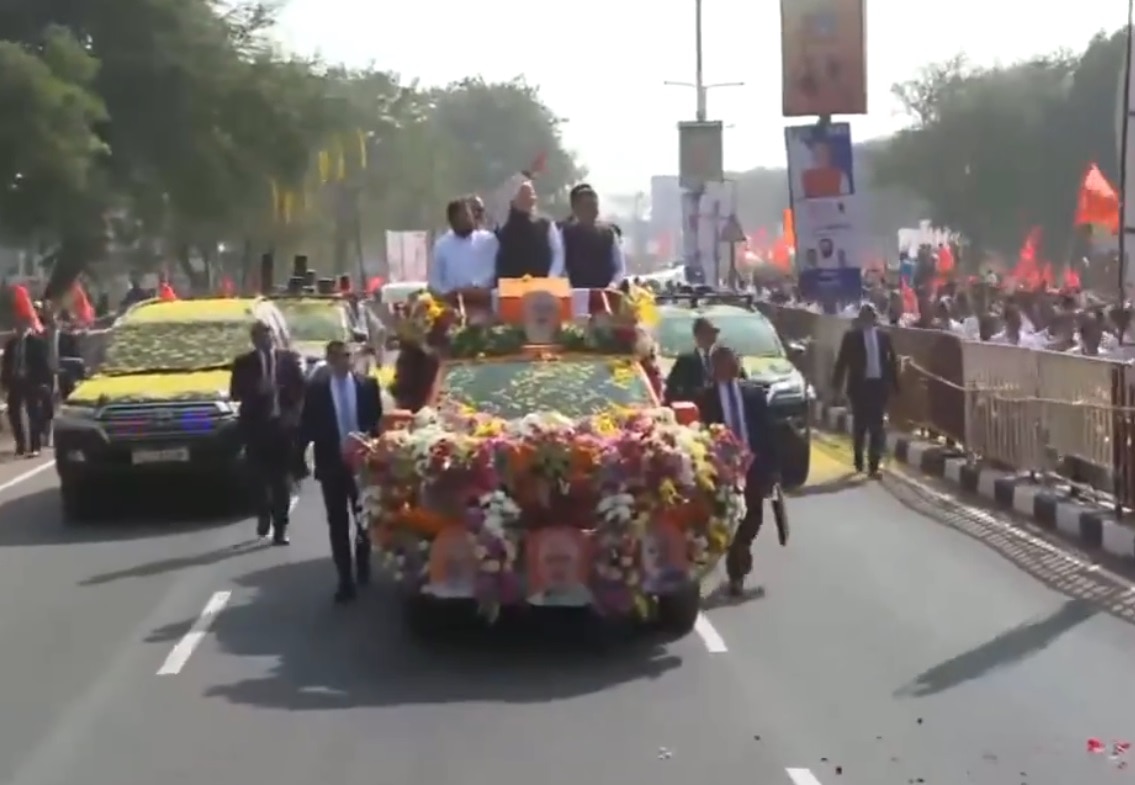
[464,258]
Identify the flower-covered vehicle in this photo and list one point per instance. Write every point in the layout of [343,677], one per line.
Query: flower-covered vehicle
[532,463]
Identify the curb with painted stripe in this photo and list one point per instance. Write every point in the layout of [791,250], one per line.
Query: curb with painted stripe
[1090,526]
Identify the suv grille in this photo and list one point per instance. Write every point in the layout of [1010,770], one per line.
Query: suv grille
[161,420]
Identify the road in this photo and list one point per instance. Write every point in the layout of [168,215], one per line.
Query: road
[886,647]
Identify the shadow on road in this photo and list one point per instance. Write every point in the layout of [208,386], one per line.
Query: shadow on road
[835,485]
[1011,646]
[36,518]
[332,657]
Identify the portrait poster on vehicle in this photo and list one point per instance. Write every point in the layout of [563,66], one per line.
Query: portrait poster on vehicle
[407,255]
[824,61]
[829,215]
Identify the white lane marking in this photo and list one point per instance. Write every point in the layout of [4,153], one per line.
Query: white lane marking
[709,635]
[802,777]
[180,654]
[32,472]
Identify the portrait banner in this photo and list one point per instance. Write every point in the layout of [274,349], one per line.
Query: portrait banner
[824,60]
[700,154]
[828,215]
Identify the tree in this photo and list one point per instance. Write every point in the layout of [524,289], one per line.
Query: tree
[996,151]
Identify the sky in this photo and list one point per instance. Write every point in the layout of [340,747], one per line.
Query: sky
[601,63]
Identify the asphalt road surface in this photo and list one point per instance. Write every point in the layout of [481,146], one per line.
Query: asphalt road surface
[885,647]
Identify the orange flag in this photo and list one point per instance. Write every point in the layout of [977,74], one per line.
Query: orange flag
[789,223]
[81,308]
[166,292]
[946,261]
[24,309]
[1097,203]
[374,284]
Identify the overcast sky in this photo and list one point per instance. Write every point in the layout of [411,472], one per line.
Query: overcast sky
[601,63]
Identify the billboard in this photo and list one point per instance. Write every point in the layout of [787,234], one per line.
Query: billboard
[824,60]
[831,228]
[700,155]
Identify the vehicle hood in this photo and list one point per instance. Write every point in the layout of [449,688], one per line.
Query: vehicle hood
[141,387]
[760,369]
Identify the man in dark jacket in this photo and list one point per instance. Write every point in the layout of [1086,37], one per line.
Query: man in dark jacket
[692,370]
[27,379]
[268,382]
[593,255]
[867,360]
[529,245]
[338,405]
[743,409]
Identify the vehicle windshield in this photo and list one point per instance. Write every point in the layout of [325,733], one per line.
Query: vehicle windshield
[174,346]
[572,387]
[748,334]
[313,321]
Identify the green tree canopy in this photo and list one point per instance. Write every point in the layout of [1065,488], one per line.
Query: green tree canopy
[151,130]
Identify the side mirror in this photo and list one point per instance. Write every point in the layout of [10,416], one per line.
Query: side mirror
[74,367]
[795,350]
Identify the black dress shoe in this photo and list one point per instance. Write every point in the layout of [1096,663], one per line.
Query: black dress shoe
[735,587]
[280,538]
[263,526]
[345,594]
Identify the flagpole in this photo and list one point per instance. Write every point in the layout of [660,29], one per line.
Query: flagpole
[1123,162]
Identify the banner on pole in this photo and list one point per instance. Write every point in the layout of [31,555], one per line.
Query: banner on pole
[700,156]
[824,57]
[828,215]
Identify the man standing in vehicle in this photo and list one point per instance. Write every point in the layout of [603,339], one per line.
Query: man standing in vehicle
[464,258]
[692,370]
[744,411]
[593,255]
[338,406]
[268,384]
[528,244]
[867,360]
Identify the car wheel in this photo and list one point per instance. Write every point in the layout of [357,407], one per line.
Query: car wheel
[79,503]
[795,460]
[678,612]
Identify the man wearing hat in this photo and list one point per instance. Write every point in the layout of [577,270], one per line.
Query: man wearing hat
[692,370]
[593,254]
[867,360]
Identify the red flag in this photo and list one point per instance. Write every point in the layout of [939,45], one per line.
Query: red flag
[909,299]
[24,309]
[946,261]
[81,308]
[374,284]
[1071,279]
[166,293]
[1097,203]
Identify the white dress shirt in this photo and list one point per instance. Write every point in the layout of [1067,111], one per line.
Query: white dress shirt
[556,243]
[733,410]
[460,262]
[344,396]
[874,369]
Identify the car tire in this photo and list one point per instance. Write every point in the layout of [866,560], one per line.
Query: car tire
[678,612]
[80,504]
[795,460]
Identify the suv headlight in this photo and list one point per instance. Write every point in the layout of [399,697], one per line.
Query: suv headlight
[77,411]
[789,387]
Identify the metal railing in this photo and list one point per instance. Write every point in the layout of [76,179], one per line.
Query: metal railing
[1026,410]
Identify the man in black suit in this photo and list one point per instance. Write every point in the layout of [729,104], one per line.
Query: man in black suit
[27,379]
[692,370]
[867,359]
[338,405]
[743,409]
[268,383]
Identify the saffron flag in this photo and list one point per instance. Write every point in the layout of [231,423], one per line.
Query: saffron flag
[1097,203]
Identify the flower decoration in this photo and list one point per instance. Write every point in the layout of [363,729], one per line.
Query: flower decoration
[615,476]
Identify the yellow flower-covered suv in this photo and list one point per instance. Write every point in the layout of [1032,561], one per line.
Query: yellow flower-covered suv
[159,403]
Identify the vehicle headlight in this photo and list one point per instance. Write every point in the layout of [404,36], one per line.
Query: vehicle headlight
[77,411]
[226,406]
[789,387]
